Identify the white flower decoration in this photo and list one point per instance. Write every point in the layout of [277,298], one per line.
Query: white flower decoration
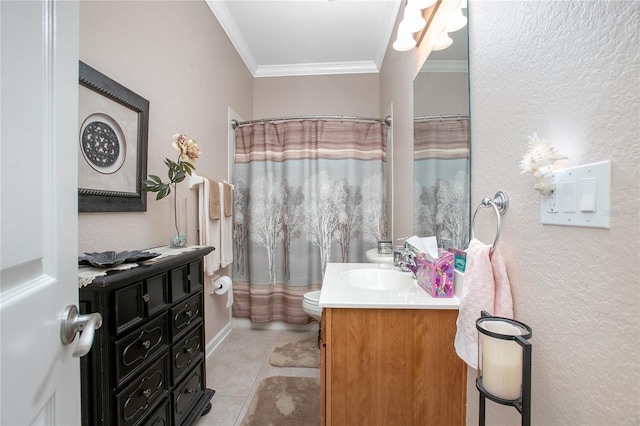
[540,157]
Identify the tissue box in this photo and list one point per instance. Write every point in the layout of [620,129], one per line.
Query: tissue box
[436,277]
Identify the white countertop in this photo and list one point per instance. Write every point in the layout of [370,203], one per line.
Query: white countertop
[336,293]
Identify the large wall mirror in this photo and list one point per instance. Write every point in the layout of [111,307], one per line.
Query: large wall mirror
[442,145]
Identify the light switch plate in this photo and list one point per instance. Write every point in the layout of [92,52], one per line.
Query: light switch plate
[582,197]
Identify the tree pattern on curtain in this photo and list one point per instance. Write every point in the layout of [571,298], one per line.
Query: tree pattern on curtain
[441,180]
[307,193]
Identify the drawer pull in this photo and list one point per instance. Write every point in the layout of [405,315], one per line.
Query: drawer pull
[147,393]
[190,350]
[145,297]
[188,314]
[146,344]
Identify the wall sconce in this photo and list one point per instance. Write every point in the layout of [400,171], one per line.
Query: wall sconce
[504,364]
[539,161]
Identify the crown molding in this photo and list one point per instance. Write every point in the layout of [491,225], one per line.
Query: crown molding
[359,67]
[228,24]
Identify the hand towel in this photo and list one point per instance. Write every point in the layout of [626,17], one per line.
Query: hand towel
[209,229]
[226,225]
[214,200]
[486,287]
[228,200]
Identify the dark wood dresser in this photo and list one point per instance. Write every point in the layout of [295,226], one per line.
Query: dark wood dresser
[147,363]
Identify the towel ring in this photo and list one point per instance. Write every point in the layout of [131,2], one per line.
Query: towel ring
[500,204]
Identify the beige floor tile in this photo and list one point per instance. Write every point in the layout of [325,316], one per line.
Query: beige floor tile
[236,367]
[225,411]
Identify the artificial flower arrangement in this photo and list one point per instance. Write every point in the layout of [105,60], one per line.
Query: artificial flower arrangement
[178,171]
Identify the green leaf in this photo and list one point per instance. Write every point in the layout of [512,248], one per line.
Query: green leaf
[163,191]
[180,176]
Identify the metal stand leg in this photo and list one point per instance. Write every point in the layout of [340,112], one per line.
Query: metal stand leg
[483,402]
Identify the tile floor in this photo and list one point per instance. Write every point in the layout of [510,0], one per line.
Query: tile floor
[235,368]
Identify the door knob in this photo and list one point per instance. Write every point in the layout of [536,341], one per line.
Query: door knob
[86,325]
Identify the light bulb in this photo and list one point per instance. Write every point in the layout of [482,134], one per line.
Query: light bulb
[413,19]
[422,4]
[457,21]
[405,40]
[443,41]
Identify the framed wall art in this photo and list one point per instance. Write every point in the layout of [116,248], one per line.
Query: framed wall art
[112,143]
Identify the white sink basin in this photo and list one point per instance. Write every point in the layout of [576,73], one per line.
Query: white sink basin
[378,279]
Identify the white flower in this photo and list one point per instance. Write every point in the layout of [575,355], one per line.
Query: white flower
[188,148]
[539,158]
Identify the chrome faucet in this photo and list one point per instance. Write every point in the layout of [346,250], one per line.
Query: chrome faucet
[404,257]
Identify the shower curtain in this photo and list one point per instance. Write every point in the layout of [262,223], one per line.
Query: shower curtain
[441,180]
[307,193]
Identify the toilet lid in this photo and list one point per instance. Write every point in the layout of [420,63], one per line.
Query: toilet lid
[312,297]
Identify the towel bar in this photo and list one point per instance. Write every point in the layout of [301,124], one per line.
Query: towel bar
[500,204]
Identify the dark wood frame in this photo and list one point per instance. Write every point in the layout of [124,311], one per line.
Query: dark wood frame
[96,200]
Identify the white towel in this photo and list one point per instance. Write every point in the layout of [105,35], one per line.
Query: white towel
[486,288]
[226,230]
[209,229]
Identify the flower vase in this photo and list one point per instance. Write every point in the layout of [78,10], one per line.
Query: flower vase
[178,209]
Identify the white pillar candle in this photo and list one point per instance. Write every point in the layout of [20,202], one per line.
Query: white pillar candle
[501,361]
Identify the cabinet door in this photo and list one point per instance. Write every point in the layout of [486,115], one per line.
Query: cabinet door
[128,307]
[156,296]
[195,276]
[179,283]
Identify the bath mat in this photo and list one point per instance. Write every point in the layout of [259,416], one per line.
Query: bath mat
[296,349]
[285,401]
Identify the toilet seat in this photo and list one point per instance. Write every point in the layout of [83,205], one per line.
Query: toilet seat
[312,297]
[310,304]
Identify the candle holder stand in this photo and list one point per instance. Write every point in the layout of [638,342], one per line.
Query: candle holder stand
[522,404]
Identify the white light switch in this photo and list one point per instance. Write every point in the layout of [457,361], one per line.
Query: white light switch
[568,194]
[582,197]
[588,195]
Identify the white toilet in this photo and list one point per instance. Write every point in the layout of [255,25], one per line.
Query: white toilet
[310,304]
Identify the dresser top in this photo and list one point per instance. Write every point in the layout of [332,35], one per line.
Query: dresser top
[92,277]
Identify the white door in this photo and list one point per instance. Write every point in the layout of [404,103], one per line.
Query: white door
[38,258]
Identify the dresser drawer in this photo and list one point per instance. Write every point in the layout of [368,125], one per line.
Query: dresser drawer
[184,314]
[187,393]
[186,353]
[141,345]
[142,299]
[147,388]
[160,416]
[186,280]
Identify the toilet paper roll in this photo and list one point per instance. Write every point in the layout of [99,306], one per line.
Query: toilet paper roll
[224,285]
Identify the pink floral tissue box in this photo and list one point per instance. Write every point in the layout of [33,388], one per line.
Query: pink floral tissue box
[436,277]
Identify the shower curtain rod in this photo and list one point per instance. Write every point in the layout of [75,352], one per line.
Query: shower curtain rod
[440,117]
[386,120]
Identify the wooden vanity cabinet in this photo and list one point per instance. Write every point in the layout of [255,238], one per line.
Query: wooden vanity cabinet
[391,367]
[147,362]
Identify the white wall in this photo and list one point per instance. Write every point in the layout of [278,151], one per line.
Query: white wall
[568,70]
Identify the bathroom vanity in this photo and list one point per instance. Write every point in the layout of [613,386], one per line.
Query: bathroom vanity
[387,355]
[147,363]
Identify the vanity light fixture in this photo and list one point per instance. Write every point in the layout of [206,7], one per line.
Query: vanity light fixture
[457,21]
[443,41]
[413,18]
[423,4]
[405,40]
